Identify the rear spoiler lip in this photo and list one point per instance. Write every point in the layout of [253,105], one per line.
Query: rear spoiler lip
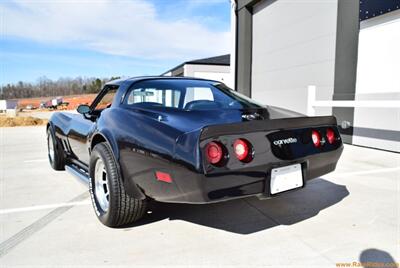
[266,125]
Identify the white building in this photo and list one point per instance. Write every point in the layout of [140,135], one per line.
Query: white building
[348,49]
[215,68]
[8,105]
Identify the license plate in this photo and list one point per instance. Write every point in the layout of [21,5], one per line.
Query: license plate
[286,178]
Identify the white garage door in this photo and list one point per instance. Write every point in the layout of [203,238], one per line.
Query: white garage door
[378,79]
[293,47]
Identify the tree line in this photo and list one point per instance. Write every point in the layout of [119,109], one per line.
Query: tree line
[45,87]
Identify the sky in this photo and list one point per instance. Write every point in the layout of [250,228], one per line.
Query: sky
[104,38]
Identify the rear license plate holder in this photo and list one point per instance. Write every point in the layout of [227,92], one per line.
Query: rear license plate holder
[286,178]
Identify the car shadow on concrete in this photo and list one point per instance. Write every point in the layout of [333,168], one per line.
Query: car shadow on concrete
[250,215]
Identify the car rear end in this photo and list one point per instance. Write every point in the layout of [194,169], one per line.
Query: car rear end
[216,144]
[275,155]
[264,158]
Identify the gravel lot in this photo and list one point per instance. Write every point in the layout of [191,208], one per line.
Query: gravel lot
[351,215]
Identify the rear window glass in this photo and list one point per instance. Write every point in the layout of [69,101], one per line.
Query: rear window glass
[154,96]
[186,94]
[198,93]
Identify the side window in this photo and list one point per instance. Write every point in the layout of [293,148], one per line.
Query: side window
[107,99]
[197,94]
[154,96]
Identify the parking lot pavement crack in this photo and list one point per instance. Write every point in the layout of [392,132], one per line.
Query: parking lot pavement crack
[36,226]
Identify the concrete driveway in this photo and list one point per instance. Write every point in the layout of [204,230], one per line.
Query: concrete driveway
[351,215]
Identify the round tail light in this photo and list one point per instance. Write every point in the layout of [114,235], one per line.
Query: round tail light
[330,135]
[242,150]
[316,138]
[214,152]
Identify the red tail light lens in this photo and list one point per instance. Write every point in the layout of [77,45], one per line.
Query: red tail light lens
[316,138]
[162,176]
[214,152]
[242,150]
[330,135]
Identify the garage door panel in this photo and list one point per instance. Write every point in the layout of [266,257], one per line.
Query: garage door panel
[284,23]
[293,47]
[289,78]
[319,50]
[294,98]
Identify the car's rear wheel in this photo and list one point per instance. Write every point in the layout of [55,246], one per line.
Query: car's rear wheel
[54,151]
[113,206]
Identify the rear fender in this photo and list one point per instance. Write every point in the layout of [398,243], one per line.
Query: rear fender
[108,138]
[131,188]
[187,150]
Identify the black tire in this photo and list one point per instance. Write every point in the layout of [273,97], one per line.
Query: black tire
[122,209]
[56,158]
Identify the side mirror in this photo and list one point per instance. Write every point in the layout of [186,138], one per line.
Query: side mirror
[83,109]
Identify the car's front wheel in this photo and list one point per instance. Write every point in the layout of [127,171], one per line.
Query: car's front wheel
[113,206]
[54,151]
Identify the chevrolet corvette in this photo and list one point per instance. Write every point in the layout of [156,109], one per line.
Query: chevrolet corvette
[186,140]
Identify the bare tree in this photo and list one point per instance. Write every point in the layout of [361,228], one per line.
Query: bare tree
[45,87]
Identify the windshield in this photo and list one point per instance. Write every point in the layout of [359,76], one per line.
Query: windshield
[186,94]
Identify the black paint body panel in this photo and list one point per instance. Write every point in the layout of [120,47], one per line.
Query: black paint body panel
[143,144]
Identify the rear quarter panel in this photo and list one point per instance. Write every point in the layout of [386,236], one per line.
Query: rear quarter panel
[145,145]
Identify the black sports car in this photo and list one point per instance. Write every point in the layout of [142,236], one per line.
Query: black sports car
[186,140]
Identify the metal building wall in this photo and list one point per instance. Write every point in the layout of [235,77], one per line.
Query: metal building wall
[284,46]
